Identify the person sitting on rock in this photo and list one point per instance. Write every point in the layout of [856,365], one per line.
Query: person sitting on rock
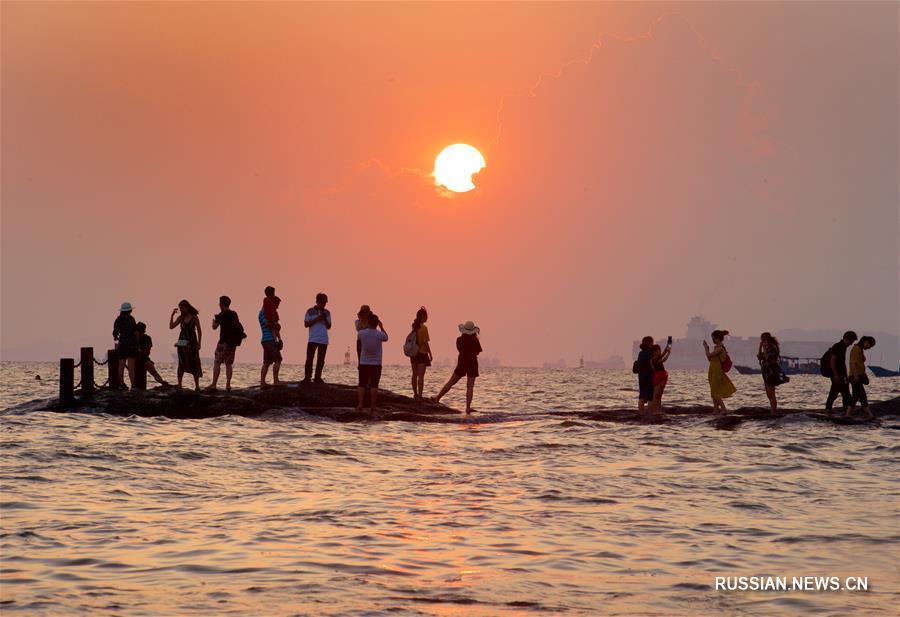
[145,344]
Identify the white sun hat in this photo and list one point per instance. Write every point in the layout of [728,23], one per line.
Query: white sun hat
[469,328]
[126,306]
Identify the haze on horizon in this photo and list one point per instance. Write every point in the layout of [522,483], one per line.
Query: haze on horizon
[645,163]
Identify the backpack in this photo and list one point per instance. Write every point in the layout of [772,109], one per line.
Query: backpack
[825,364]
[237,332]
[411,345]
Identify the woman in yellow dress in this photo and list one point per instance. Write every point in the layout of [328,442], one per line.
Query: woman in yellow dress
[720,387]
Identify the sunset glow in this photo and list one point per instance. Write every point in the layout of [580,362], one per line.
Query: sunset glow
[276,341]
[455,166]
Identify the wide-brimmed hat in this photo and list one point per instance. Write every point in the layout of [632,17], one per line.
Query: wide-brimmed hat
[126,306]
[469,328]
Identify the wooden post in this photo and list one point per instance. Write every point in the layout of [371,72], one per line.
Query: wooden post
[112,366]
[67,381]
[87,372]
[140,374]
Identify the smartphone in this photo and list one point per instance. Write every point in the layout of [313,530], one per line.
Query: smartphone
[669,342]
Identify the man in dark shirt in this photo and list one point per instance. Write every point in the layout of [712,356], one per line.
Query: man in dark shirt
[231,333]
[837,359]
[645,374]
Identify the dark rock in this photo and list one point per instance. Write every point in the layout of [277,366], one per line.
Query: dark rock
[334,401]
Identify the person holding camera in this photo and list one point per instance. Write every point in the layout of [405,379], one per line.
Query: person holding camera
[720,387]
[318,320]
[189,340]
[371,339]
[658,357]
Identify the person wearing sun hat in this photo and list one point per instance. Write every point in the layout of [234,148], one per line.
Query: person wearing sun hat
[125,335]
[469,347]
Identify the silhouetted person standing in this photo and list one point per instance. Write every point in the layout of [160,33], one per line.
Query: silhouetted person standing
[645,374]
[270,345]
[834,365]
[318,320]
[271,302]
[188,343]
[231,335]
[127,343]
[658,357]
[422,360]
[370,359]
[720,387]
[858,378]
[769,357]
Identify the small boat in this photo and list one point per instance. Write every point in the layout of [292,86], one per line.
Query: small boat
[789,366]
[879,371]
[747,370]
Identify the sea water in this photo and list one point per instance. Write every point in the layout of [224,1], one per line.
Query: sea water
[526,509]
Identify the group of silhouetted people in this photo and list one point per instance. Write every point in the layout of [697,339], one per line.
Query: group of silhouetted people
[653,377]
[834,366]
[133,345]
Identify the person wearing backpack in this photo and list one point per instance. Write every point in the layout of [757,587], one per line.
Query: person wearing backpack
[720,387]
[834,366]
[231,335]
[418,349]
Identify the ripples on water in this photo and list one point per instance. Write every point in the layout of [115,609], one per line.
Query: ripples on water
[291,514]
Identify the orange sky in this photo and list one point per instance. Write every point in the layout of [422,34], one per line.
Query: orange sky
[739,160]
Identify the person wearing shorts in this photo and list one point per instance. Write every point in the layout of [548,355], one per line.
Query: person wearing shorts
[126,338]
[469,347]
[224,355]
[422,360]
[372,339]
[271,351]
[231,333]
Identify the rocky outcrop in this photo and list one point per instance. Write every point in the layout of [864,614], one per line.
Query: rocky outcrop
[338,402]
[334,401]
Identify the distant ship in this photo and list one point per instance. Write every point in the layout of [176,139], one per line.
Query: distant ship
[879,371]
[789,366]
[613,361]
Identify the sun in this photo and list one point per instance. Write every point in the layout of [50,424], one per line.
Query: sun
[455,165]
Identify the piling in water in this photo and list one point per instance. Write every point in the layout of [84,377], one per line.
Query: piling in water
[87,372]
[67,381]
